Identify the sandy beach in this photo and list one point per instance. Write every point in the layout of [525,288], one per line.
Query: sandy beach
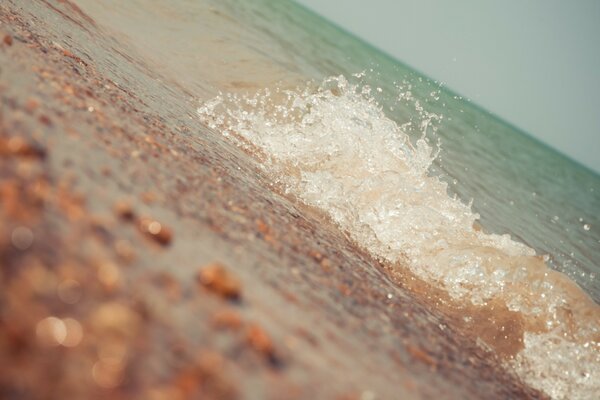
[145,257]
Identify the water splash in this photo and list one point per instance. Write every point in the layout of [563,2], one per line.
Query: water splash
[332,146]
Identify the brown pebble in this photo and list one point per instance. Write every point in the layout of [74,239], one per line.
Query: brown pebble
[218,279]
[420,355]
[124,210]
[259,340]
[156,231]
[20,147]
[125,251]
[228,319]
[31,105]
[8,40]
[148,197]
[344,289]
[262,227]
[317,256]
[169,285]
[115,318]
[44,119]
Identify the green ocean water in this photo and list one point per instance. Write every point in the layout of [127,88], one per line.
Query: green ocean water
[518,185]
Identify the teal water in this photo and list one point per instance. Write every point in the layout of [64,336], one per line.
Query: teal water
[365,158]
[518,185]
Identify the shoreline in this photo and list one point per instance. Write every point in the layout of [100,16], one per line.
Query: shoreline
[91,164]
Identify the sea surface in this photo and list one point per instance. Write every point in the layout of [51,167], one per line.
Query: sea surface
[420,177]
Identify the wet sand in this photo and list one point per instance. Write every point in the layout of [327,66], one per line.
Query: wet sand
[143,256]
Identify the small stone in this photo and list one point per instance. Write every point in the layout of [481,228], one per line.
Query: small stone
[115,318]
[218,279]
[107,375]
[109,275]
[31,105]
[156,231]
[17,146]
[51,331]
[8,40]
[22,238]
[345,289]
[124,210]
[421,356]
[44,119]
[261,342]
[169,285]
[74,332]
[69,291]
[125,251]
[149,197]
[228,319]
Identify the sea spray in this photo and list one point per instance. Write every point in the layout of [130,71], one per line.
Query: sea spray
[332,146]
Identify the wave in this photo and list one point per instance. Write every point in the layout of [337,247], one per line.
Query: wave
[332,147]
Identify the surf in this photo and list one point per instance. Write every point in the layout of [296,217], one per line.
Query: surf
[331,146]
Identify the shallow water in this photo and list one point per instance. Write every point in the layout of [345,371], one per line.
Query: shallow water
[384,186]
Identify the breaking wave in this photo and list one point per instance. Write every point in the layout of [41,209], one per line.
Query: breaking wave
[332,146]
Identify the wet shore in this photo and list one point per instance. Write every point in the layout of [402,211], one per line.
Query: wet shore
[143,256]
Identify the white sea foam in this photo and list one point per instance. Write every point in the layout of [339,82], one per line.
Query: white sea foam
[333,147]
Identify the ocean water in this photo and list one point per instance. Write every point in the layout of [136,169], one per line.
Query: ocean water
[413,173]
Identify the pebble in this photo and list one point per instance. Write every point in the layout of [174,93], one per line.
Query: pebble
[124,210]
[228,319]
[156,231]
[218,279]
[259,340]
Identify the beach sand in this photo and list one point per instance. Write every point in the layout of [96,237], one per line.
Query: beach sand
[142,257]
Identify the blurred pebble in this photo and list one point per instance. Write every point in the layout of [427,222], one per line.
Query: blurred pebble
[22,237]
[156,231]
[69,291]
[107,375]
[51,331]
[218,279]
[74,332]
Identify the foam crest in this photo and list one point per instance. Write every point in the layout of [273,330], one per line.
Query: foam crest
[333,147]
